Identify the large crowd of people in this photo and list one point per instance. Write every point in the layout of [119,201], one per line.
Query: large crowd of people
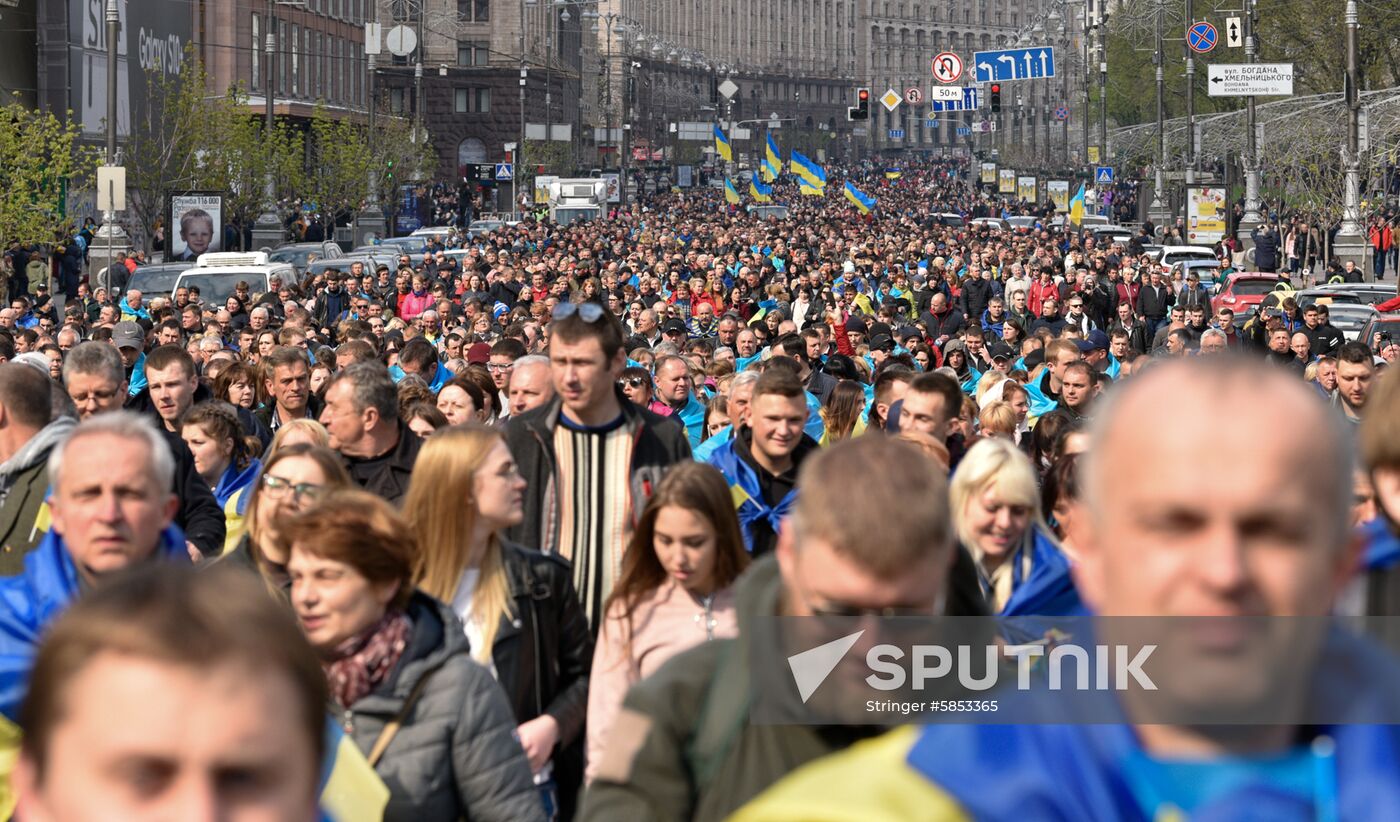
[489,534]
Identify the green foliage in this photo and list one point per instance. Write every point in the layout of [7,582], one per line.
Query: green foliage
[40,156]
[556,157]
[339,176]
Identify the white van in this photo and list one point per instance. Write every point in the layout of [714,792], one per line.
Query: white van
[217,275]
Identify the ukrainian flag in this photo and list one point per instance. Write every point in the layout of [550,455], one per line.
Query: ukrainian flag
[809,171]
[722,145]
[773,157]
[760,192]
[769,171]
[731,194]
[1076,207]
[350,789]
[892,174]
[860,199]
[810,191]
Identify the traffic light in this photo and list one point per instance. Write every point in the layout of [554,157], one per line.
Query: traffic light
[996,98]
[861,110]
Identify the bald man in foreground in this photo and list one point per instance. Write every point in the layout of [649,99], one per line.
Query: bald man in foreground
[1242,524]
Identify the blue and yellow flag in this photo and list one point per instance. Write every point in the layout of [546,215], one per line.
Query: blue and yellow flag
[731,194]
[772,156]
[722,145]
[813,174]
[892,174]
[767,170]
[810,191]
[760,192]
[860,199]
[1076,207]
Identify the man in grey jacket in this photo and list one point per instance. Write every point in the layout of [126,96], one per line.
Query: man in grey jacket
[28,434]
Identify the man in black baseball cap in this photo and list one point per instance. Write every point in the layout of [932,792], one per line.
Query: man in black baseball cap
[673,330]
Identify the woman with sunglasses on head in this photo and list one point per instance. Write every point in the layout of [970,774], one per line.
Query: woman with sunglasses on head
[675,590]
[293,478]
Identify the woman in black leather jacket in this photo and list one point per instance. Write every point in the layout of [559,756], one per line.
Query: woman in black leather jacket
[520,611]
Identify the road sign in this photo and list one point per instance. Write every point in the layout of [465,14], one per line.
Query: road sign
[896,134]
[401,41]
[1094,154]
[945,94]
[1014,64]
[984,126]
[1202,37]
[969,99]
[964,131]
[947,67]
[1062,113]
[1244,79]
[1103,175]
[728,89]
[890,99]
[931,124]
[111,188]
[504,171]
[913,95]
[1234,33]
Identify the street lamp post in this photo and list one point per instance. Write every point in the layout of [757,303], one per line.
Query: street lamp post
[109,235]
[1351,242]
[1250,218]
[267,231]
[1190,101]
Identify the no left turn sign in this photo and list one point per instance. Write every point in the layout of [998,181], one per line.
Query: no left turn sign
[947,67]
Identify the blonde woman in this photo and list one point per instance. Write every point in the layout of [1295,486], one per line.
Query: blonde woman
[996,509]
[518,607]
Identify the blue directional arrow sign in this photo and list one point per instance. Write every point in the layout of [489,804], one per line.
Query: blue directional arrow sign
[503,171]
[964,131]
[1103,174]
[1014,64]
[896,134]
[969,102]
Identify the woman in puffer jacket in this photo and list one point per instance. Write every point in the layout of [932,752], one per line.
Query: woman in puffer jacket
[433,723]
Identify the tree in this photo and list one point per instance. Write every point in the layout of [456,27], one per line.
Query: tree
[397,158]
[243,158]
[338,180]
[40,156]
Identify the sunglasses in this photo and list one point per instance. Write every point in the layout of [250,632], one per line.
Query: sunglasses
[632,382]
[588,312]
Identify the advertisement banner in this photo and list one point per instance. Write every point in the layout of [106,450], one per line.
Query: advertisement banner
[614,181]
[989,173]
[1058,191]
[196,224]
[1025,189]
[1205,215]
[151,40]
[1007,181]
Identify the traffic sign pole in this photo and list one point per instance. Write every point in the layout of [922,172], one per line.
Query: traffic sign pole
[1251,217]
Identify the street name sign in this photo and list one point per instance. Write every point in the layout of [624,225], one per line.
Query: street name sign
[1245,79]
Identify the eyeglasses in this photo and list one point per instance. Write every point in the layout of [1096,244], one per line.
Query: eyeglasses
[499,366]
[98,397]
[278,488]
[633,382]
[588,312]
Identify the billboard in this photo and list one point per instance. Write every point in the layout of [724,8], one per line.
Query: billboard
[1006,182]
[152,36]
[196,224]
[989,173]
[1205,215]
[1025,189]
[1058,192]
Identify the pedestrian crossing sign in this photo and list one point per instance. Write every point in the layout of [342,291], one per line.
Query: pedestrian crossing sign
[1103,174]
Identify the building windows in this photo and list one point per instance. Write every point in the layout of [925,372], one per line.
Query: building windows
[257,53]
[473,54]
[282,62]
[396,100]
[296,62]
[472,101]
[473,11]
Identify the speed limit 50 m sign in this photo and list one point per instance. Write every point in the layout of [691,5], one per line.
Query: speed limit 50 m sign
[947,67]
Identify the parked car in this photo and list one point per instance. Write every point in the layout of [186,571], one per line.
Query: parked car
[302,254]
[1023,224]
[483,228]
[994,223]
[217,275]
[1173,254]
[1380,330]
[156,280]
[1368,293]
[1207,270]
[1241,291]
[1350,318]
[950,219]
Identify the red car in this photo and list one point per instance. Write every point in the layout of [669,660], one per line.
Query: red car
[1241,291]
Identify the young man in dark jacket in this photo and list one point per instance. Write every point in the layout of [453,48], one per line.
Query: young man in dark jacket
[28,434]
[578,503]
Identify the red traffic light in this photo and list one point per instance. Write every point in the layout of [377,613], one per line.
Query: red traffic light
[996,88]
[864,95]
